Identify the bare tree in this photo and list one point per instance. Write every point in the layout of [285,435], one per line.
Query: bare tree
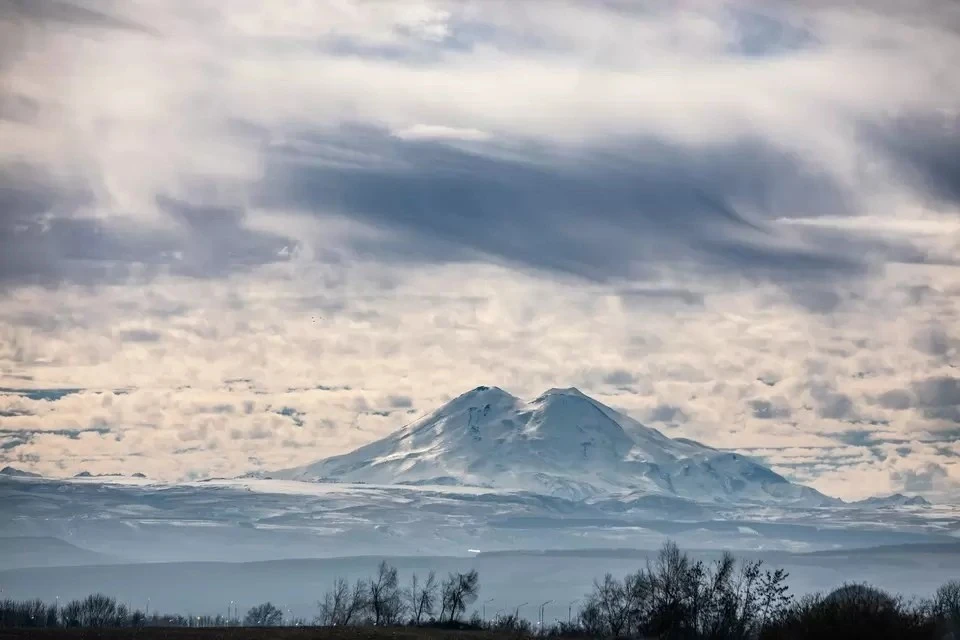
[71,616]
[263,615]
[357,603]
[421,597]
[458,591]
[383,595]
[343,605]
[334,604]
[122,617]
[137,619]
[946,601]
[607,611]
[97,610]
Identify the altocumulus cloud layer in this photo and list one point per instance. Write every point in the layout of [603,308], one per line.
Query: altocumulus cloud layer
[245,237]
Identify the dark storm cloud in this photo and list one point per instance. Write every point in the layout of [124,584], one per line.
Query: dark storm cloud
[598,215]
[40,249]
[609,211]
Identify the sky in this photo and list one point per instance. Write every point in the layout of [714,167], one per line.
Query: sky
[245,236]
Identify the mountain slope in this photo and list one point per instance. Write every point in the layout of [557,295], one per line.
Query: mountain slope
[562,443]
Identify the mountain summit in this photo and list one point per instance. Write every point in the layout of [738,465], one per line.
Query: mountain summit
[561,443]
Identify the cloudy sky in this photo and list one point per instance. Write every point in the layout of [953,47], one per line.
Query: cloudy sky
[247,235]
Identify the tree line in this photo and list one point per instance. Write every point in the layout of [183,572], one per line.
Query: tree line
[672,598]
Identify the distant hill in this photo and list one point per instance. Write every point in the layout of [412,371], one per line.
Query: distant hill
[894,500]
[13,471]
[21,552]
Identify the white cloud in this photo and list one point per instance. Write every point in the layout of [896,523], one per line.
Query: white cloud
[440,132]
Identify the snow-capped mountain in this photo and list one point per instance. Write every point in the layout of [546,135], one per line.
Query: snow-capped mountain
[562,443]
[893,500]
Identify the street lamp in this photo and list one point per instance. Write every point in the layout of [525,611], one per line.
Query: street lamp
[517,614]
[485,608]
[540,624]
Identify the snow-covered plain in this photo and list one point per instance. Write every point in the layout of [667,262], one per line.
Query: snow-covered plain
[252,540]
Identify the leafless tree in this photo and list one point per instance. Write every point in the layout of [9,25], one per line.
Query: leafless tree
[383,595]
[122,618]
[946,601]
[98,610]
[458,591]
[263,615]
[71,615]
[675,597]
[343,605]
[421,597]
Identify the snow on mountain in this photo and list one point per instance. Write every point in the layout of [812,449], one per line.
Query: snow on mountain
[563,443]
[893,500]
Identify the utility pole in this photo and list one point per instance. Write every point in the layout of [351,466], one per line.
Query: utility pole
[570,611]
[485,608]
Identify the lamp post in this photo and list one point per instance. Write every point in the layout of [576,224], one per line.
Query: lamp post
[540,624]
[484,607]
[517,613]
